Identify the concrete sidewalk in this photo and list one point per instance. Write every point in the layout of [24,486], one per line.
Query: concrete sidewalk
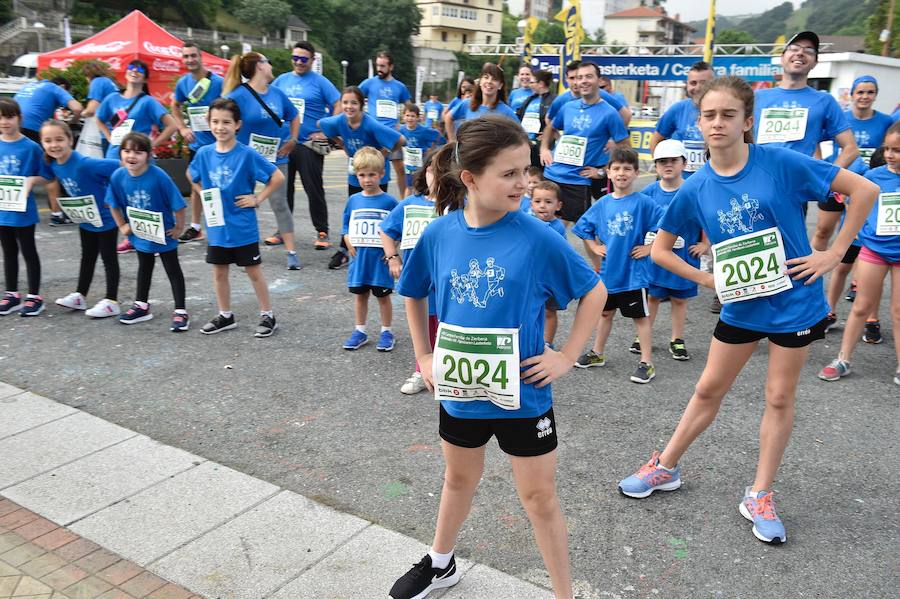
[195,523]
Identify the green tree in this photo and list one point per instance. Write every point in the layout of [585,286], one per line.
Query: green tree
[550,32]
[268,15]
[734,36]
[770,24]
[510,27]
[876,23]
[74,74]
[5,10]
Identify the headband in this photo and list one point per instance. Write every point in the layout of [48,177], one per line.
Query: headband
[864,79]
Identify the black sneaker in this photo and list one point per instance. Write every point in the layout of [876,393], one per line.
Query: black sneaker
[872,334]
[266,327]
[830,321]
[678,350]
[716,306]
[58,220]
[635,346]
[851,293]
[339,260]
[190,234]
[422,579]
[218,324]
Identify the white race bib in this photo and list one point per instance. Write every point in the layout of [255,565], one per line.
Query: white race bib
[212,207]
[431,115]
[266,146]
[570,149]
[300,105]
[412,158]
[866,155]
[531,122]
[364,226]
[147,224]
[750,266]
[782,125]
[651,235]
[124,128]
[477,364]
[350,169]
[888,214]
[415,219]
[386,109]
[82,209]
[13,193]
[197,116]
[696,155]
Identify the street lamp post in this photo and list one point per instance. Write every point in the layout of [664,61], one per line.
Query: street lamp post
[40,27]
[344,65]
[224,48]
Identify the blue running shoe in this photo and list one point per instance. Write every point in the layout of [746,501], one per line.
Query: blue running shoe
[651,477]
[180,322]
[760,509]
[135,314]
[356,340]
[385,342]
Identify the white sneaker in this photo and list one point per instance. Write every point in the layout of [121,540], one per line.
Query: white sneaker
[104,308]
[414,384]
[73,301]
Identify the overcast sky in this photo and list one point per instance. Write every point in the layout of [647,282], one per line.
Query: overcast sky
[694,10]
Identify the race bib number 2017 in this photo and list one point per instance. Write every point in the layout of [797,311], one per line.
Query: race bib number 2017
[147,224]
[13,193]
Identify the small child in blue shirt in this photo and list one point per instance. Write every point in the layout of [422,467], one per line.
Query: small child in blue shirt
[545,205]
[419,140]
[613,231]
[535,176]
[368,272]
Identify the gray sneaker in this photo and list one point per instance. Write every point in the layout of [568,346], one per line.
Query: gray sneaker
[716,306]
[589,359]
[644,373]
[266,327]
[293,262]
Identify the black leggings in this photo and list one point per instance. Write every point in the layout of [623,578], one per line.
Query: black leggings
[104,245]
[170,262]
[14,239]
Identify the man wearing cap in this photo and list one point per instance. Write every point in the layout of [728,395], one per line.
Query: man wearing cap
[680,120]
[797,116]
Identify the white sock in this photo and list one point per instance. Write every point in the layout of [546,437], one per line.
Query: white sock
[142,305]
[56,213]
[292,252]
[268,313]
[180,311]
[440,560]
[383,329]
[32,296]
[226,313]
[195,226]
[361,328]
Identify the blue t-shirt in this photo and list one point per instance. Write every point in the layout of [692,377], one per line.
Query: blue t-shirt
[620,224]
[525,205]
[464,112]
[369,133]
[518,96]
[656,274]
[392,226]
[886,246]
[184,87]
[314,93]
[534,110]
[368,267]
[680,122]
[81,176]
[896,115]
[235,173]
[451,108]
[824,119]
[433,110]
[101,87]
[566,97]
[598,122]
[420,137]
[22,158]
[38,101]
[146,113]
[375,89]
[769,191]
[558,226]
[154,190]
[530,263]
[256,119]
[869,134]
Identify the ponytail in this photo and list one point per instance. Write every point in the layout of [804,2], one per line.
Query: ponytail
[241,67]
[449,192]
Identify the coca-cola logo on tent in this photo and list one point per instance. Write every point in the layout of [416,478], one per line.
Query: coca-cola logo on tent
[171,66]
[93,48]
[170,51]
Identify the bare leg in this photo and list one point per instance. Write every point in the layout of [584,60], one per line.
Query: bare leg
[895,310]
[536,486]
[260,287]
[645,335]
[386,309]
[361,308]
[461,476]
[869,281]
[222,287]
[679,317]
[653,303]
[604,326]
[837,283]
[724,363]
[400,176]
[825,226]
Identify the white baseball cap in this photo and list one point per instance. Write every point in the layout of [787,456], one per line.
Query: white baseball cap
[669,148]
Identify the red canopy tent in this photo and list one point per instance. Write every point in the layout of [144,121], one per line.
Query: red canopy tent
[134,37]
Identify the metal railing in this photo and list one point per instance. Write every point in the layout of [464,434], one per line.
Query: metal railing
[633,49]
[10,30]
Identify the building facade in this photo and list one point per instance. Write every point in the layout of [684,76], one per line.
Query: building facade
[644,26]
[530,8]
[451,24]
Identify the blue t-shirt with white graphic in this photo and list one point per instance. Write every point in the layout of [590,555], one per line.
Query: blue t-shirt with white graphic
[463,111]
[656,274]
[566,97]
[620,224]
[235,173]
[22,158]
[769,191]
[39,101]
[886,246]
[433,111]
[154,190]
[598,122]
[869,134]
[146,113]
[256,119]
[824,121]
[392,93]
[680,122]
[101,87]
[498,276]
[182,90]
[369,133]
[392,226]
[316,94]
[420,137]
[518,96]
[81,176]
[368,266]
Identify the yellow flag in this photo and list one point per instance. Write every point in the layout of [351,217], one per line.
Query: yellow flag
[710,33]
[570,16]
[527,49]
[780,41]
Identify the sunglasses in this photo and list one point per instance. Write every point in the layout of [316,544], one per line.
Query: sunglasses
[263,61]
[136,67]
[301,59]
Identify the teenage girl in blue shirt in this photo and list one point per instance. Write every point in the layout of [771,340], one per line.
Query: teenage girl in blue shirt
[745,190]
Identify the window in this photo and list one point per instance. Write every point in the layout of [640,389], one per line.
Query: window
[490,17]
[435,10]
[465,38]
[443,36]
[488,41]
